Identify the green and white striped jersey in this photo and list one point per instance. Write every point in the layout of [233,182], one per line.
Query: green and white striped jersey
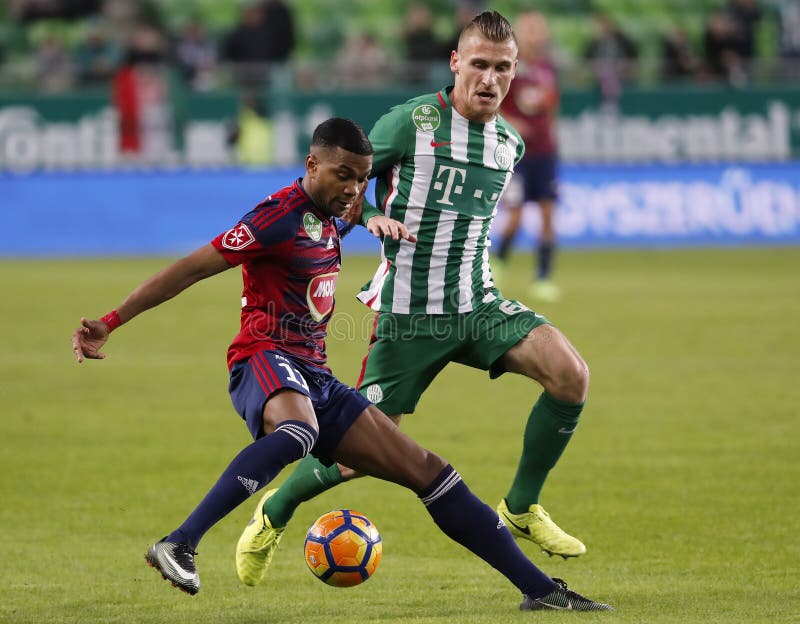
[441,175]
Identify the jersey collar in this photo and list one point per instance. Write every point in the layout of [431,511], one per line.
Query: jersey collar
[444,97]
[309,204]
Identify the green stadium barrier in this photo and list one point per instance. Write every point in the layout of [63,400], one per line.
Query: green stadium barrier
[78,131]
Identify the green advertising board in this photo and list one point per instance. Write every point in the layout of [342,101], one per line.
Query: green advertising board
[79,131]
[656,125]
[684,125]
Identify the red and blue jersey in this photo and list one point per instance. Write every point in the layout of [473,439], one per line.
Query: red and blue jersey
[290,257]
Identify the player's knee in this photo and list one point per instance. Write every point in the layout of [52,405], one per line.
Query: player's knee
[572,384]
[427,470]
[582,380]
[299,438]
[348,473]
[434,464]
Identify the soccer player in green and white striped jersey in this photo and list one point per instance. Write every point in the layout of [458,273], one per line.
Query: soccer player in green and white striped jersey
[443,177]
[442,161]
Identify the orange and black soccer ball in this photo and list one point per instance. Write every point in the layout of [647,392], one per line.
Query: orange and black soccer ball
[343,548]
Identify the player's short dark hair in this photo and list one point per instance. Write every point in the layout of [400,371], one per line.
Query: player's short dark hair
[491,25]
[344,133]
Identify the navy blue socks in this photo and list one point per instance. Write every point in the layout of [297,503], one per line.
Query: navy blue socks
[544,258]
[475,525]
[254,467]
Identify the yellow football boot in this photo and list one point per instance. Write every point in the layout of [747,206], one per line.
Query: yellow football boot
[535,525]
[257,545]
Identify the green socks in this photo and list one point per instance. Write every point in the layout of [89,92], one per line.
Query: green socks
[309,478]
[549,429]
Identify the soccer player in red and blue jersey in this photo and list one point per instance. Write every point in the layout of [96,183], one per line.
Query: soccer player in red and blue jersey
[289,250]
[531,107]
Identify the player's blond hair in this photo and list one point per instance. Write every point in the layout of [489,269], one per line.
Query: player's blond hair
[491,25]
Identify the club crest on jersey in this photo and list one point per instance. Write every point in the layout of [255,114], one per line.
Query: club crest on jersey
[313,226]
[374,393]
[426,118]
[238,238]
[319,295]
[503,156]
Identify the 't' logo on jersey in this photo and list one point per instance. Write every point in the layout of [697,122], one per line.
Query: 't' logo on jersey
[238,238]
[451,179]
[319,295]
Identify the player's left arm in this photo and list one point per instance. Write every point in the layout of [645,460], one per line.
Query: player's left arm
[376,222]
[89,338]
[381,226]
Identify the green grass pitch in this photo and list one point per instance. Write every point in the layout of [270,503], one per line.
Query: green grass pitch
[683,478]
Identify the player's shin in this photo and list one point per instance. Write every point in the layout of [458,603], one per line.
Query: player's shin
[254,467]
[471,523]
[548,431]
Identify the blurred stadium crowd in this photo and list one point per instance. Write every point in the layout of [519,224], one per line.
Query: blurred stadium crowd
[99,86]
[60,45]
[198,81]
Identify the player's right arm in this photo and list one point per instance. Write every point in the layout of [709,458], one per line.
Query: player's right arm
[88,339]
[388,142]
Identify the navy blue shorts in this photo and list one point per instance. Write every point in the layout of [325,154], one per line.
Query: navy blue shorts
[540,177]
[257,378]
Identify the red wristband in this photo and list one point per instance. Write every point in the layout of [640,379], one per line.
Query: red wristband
[112,320]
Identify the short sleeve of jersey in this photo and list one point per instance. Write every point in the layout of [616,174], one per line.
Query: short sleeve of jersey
[520,147]
[260,233]
[520,143]
[389,137]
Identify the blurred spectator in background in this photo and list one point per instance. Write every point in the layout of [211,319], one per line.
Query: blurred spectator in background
[678,61]
[253,133]
[787,14]
[96,56]
[196,56]
[123,16]
[30,10]
[721,45]
[246,46]
[531,106]
[140,91]
[264,35]
[362,62]
[54,68]
[465,11]
[613,56]
[788,17]
[745,15]
[279,30]
[421,44]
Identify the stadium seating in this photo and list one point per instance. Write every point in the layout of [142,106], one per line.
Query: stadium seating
[323,25]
